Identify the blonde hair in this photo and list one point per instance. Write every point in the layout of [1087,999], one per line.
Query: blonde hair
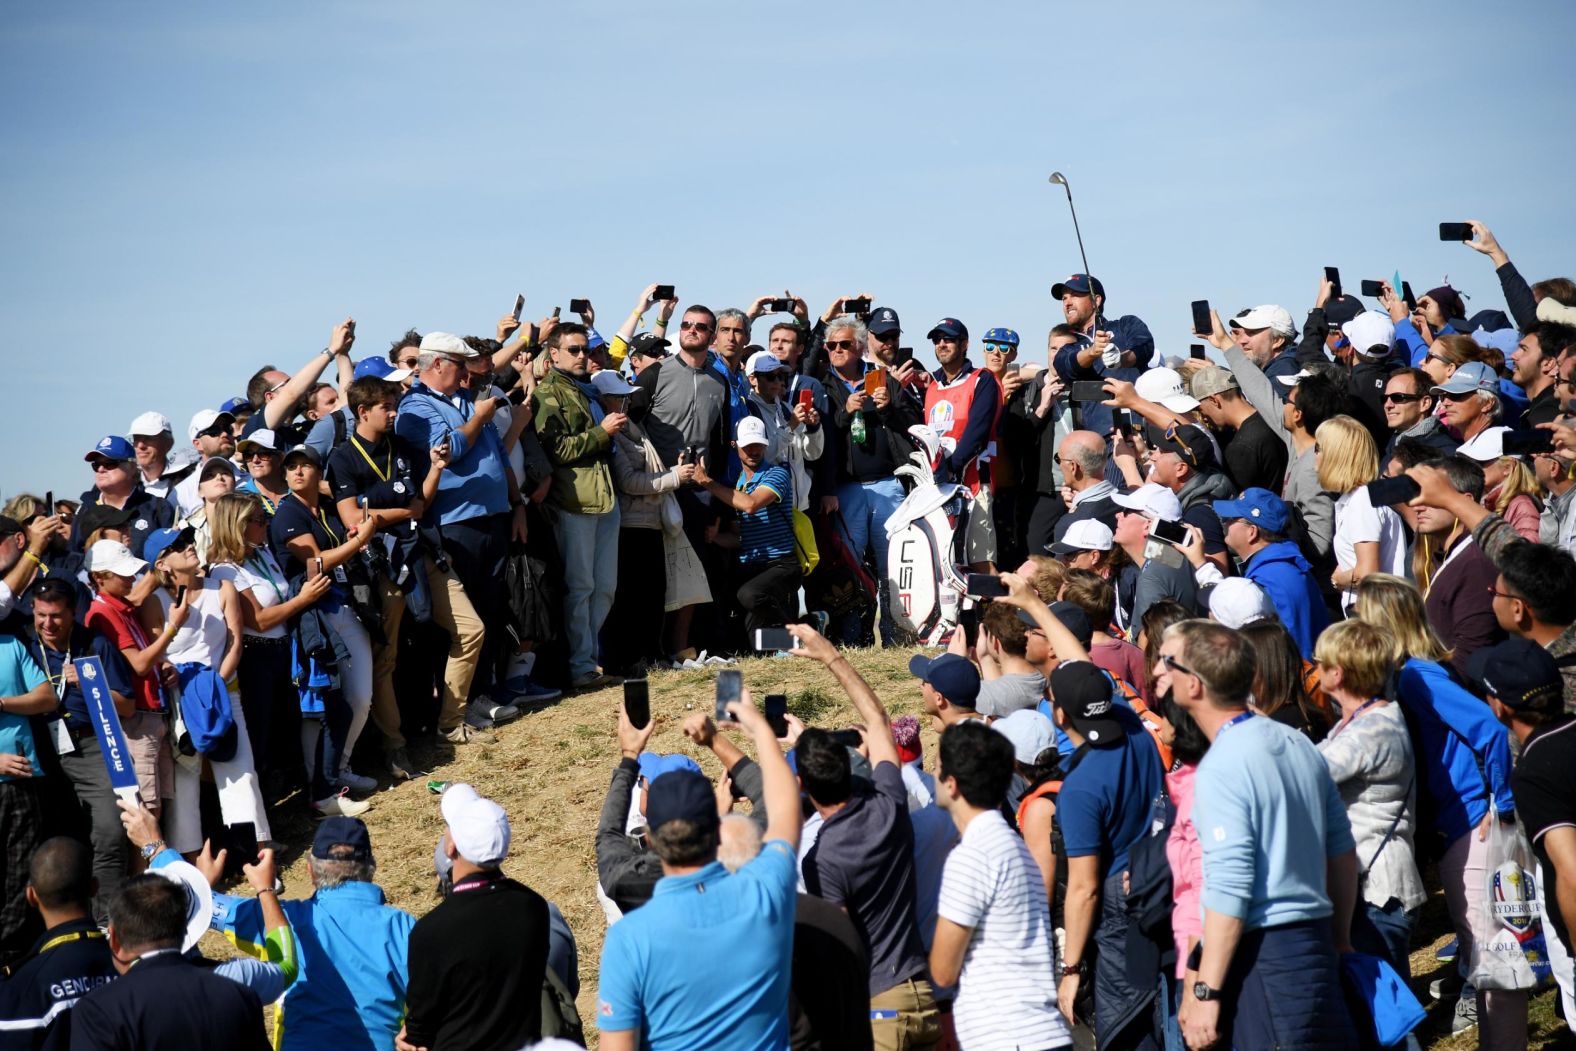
[23,506]
[227,521]
[1348,457]
[1520,481]
[1049,576]
[1394,604]
[1364,652]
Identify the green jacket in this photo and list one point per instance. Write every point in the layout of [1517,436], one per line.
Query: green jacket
[577,446]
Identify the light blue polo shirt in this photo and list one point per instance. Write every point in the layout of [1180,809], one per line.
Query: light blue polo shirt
[473,484]
[706,962]
[19,674]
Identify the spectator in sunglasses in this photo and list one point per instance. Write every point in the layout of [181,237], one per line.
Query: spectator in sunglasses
[116,485]
[1409,412]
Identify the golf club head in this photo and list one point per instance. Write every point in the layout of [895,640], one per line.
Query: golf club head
[1058,179]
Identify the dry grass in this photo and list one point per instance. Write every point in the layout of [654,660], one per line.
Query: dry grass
[550,771]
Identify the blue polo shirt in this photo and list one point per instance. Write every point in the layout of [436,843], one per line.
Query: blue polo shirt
[19,674]
[767,534]
[473,484]
[706,962]
[1104,804]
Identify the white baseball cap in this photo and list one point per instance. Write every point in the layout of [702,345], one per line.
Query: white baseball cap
[1236,601]
[1275,318]
[111,556]
[610,383]
[1163,386]
[149,425]
[1486,447]
[1152,500]
[752,431]
[447,344]
[1086,534]
[763,361]
[1370,330]
[204,419]
[478,826]
[263,438]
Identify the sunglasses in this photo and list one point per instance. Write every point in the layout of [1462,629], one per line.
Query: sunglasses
[1176,665]
[1403,399]
[1463,396]
[694,326]
[259,454]
[107,465]
[890,337]
[215,430]
[840,344]
[575,352]
[996,348]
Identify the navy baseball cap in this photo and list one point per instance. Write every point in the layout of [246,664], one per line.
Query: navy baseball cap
[1259,506]
[954,677]
[112,447]
[883,322]
[1001,335]
[681,795]
[1338,312]
[948,328]
[1078,285]
[235,405]
[336,834]
[1523,676]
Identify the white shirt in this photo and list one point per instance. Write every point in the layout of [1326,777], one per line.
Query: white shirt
[1007,990]
[1358,521]
[202,639]
[263,577]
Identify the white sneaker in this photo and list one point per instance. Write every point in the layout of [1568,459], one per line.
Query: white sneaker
[341,805]
[358,783]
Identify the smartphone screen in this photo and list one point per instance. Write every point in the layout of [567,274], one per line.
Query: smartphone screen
[663,292]
[856,306]
[969,621]
[1455,231]
[1170,532]
[777,713]
[1089,390]
[519,305]
[49,503]
[637,703]
[1386,492]
[1528,442]
[579,306]
[180,594]
[985,585]
[1196,350]
[1407,296]
[1373,288]
[557,311]
[904,354]
[782,306]
[1333,276]
[774,639]
[875,379]
[730,687]
[848,738]
[1201,322]
[807,398]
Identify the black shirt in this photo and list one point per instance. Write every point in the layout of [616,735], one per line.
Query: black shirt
[294,518]
[827,1006]
[286,434]
[1541,784]
[1256,456]
[69,961]
[380,472]
[1544,408]
[477,963]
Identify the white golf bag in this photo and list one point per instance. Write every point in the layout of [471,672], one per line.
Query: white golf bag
[922,580]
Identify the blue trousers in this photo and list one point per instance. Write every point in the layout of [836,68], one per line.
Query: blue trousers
[865,507]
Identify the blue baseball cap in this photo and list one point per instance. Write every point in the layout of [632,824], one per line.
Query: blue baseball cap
[161,540]
[883,322]
[683,795]
[1259,506]
[380,367]
[1472,376]
[1001,335]
[594,338]
[111,447]
[235,405]
[948,328]
[654,765]
[1078,285]
[954,677]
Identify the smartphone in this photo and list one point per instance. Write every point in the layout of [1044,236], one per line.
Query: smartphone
[1528,442]
[780,306]
[637,703]
[848,738]
[985,585]
[1373,288]
[556,311]
[1333,276]
[856,306]
[774,639]
[519,305]
[180,592]
[1089,390]
[1386,492]
[314,569]
[904,355]
[694,454]
[875,379]
[1455,231]
[1196,350]
[579,306]
[1406,294]
[518,396]
[1122,422]
[730,687]
[777,713]
[969,621]
[1202,325]
[49,503]
[1170,532]
[1013,366]
[807,398]
[662,292]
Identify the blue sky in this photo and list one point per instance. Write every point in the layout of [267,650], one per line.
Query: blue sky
[195,190]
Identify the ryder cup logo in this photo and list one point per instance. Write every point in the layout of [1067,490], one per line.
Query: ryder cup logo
[1513,895]
[941,416]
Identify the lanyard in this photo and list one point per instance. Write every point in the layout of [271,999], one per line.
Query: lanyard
[1233,721]
[476,882]
[261,561]
[323,519]
[1344,723]
[383,475]
[74,936]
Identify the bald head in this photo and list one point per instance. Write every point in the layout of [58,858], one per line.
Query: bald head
[61,874]
[1083,459]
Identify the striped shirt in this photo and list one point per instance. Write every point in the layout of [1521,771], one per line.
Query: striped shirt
[767,534]
[1007,991]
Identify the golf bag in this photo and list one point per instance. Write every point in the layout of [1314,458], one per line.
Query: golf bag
[923,539]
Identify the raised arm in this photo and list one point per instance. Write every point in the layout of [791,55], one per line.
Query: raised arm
[878,726]
[781,788]
[278,409]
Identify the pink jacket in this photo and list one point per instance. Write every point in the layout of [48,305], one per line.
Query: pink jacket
[1186,856]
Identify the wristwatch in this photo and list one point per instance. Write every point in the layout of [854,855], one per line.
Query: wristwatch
[1204,992]
[1080,968]
[151,849]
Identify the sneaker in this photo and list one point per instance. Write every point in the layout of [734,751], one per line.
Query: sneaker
[1448,951]
[341,805]
[355,782]
[1448,986]
[399,765]
[466,734]
[1465,1016]
[534,694]
[477,719]
[597,681]
[494,711]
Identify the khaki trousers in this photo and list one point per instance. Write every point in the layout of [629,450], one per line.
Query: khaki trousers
[455,614]
[904,1017]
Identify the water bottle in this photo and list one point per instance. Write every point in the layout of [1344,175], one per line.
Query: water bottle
[856,430]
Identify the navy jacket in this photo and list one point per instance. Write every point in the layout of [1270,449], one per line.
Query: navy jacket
[1130,333]
[168,1001]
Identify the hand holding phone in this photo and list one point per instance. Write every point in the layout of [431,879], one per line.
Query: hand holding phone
[519,305]
[730,688]
[1196,350]
[875,379]
[1170,532]
[1455,231]
[1203,325]
[662,292]
[985,585]
[1374,289]
[579,306]
[780,306]
[49,504]
[1089,390]
[776,707]
[778,640]
[1387,492]
[858,307]
[1333,276]
[1528,442]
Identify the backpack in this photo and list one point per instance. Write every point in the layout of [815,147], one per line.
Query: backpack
[531,613]
[560,1017]
[841,585]
[1149,891]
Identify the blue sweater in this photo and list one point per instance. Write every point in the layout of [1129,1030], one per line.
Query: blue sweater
[473,484]
[1456,735]
[1263,798]
[1287,578]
